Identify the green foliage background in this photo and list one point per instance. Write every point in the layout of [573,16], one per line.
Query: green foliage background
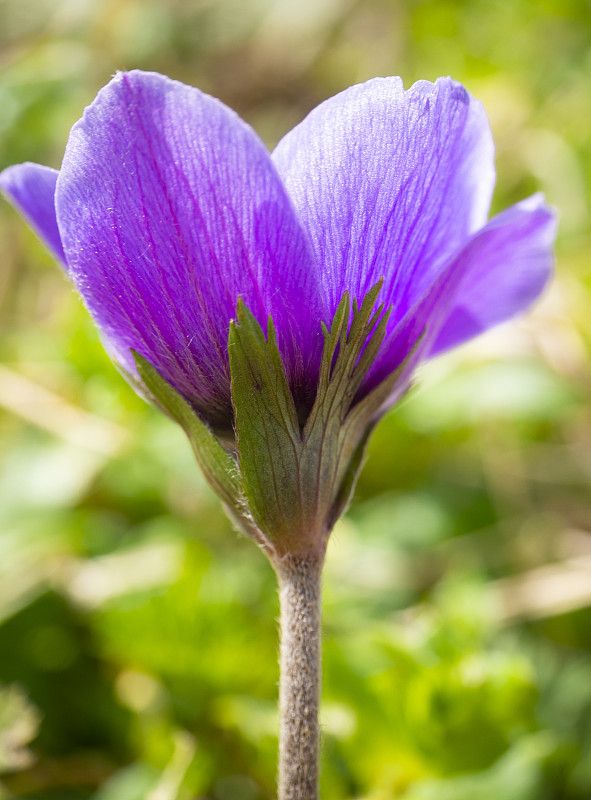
[137,630]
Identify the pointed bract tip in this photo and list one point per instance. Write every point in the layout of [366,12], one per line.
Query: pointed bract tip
[241,311]
[372,295]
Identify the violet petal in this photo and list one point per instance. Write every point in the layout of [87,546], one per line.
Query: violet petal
[169,208]
[31,189]
[499,272]
[389,183]
[509,264]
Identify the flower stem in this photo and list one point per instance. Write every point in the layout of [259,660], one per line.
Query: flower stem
[299,587]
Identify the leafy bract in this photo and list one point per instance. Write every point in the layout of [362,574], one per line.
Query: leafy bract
[298,480]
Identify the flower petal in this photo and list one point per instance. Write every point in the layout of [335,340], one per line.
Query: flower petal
[389,183]
[31,189]
[169,208]
[498,273]
[510,262]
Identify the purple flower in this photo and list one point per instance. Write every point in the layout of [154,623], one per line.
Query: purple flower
[168,207]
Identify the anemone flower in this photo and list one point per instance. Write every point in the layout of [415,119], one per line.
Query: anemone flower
[186,239]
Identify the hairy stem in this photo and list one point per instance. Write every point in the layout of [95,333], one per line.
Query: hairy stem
[299,587]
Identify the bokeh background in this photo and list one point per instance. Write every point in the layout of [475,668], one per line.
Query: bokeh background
[137,629]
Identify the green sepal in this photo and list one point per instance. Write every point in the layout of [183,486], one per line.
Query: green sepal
[356,430]
[267,430]
[349,478]
[218,466]
[338,429]
[298,481]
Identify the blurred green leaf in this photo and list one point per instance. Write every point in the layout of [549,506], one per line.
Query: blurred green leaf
[19,724]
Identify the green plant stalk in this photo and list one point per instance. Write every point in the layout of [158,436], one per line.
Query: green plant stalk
[300,597]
